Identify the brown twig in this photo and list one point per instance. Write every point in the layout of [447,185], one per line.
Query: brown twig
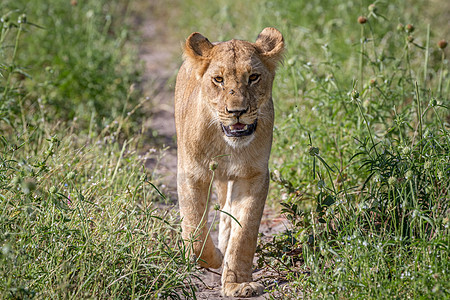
[214,272]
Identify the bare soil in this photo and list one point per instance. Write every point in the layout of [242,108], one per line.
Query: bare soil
[161,53]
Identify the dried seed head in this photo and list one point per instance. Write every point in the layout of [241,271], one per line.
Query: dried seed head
[409,28]
[313,151]
[442,44]
[362,20]
[132,88]
[73,2]
[213,165]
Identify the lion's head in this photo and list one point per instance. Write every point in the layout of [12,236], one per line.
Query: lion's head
[235,79]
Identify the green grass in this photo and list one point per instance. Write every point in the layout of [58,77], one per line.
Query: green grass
[78,208]
[360,159]
[73,57]
[360,162]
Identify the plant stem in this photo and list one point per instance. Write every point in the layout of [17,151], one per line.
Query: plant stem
[16,46]
[361,59]
[427,51]
[419,114]
[11,67]
[441,73]
[367,124]
[200,226]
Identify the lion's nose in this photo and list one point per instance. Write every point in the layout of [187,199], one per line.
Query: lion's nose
[236,112]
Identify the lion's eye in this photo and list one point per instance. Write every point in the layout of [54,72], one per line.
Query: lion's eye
[253,78]
[218,79]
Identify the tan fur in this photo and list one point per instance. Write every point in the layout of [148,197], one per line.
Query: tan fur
[202,106]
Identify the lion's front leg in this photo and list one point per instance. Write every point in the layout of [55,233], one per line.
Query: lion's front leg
[225,220]
[193,195]
[247,205]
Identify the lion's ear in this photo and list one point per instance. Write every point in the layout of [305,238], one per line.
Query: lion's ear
[270,44]
[197,47]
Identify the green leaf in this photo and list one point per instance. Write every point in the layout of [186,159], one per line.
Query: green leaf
[231,217]
[329,200]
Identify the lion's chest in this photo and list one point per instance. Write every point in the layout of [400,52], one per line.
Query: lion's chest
[232,164]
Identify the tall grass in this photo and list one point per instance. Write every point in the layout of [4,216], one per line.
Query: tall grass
[78,208]
[74,57]
[360,158]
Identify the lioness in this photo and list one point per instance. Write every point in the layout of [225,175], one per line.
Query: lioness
[224,108]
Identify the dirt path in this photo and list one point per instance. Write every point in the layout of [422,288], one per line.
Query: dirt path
[161,53]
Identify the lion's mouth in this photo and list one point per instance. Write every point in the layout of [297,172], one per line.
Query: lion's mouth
[239,129]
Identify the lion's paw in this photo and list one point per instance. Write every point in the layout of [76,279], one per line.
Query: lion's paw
[244,289]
